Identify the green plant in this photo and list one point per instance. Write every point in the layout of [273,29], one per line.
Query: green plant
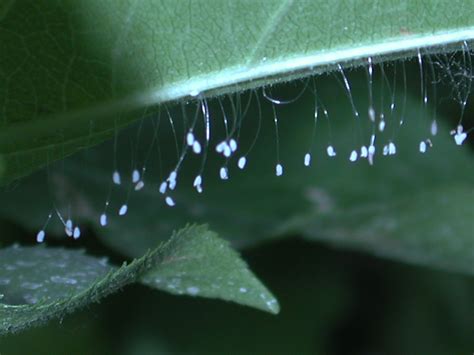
[74,74]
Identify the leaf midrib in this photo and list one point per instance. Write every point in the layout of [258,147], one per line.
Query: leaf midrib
[249,76]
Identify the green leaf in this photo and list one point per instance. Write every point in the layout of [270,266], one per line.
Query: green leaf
[33,274]
[197,263]
[39,283]
[72,72]
[433,228]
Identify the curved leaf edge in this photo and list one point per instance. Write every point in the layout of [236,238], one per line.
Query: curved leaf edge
[15,318]
[123,111]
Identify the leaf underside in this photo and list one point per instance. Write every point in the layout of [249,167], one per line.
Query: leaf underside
[64,87]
